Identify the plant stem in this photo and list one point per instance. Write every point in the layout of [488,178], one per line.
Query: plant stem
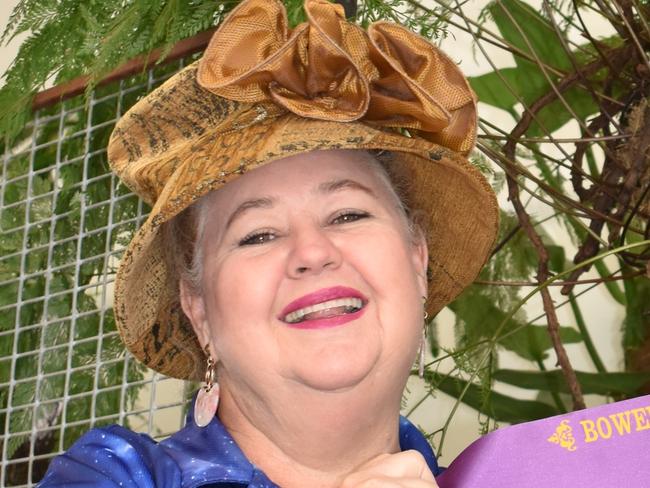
[497,333]
[556,396]
[586,337]
[591,162]
[613,289]
[543,275]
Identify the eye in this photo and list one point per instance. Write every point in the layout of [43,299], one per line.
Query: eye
[257,237]
[347,216]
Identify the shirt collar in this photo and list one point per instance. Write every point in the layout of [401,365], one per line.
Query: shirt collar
[210,456]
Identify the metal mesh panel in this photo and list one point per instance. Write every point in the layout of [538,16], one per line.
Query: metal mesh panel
[64,220]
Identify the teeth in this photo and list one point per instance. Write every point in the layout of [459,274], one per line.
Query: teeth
[351,304]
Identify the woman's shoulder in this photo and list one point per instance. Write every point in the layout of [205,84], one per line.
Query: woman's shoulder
[113,457]
[410,437]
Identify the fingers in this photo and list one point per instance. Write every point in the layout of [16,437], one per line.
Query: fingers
[395,483]
[407,469]
[405,464]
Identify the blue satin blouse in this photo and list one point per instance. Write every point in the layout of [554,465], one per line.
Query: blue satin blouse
[113,456]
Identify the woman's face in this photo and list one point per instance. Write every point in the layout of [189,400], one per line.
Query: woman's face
[310,279]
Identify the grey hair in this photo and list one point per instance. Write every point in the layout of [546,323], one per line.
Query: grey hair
[387,166]
[184,233]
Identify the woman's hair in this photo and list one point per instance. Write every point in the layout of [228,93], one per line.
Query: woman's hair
[183,234]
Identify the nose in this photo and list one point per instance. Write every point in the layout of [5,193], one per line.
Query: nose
[312,252]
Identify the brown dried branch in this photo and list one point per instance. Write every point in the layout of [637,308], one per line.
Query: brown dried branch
[573,208]
[599,123]
[604,203]
[611,193]
[606,198]
[536,240]
[506,239]
[626,14]
[619,53]
[561,283]
[543,274]
[635,158]
[625,173]
[595,43]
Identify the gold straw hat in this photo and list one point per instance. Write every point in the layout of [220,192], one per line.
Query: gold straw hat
[263,92]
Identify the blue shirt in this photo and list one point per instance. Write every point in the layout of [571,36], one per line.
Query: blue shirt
[113,456]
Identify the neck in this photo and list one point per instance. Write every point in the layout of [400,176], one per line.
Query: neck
[315,438]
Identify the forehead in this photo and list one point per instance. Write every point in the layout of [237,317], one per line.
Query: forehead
[285,177]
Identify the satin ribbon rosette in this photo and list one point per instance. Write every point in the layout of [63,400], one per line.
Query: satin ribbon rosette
[330,69]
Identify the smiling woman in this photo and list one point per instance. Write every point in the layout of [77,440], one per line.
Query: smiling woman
[184,233]
[278,263]
[282,261]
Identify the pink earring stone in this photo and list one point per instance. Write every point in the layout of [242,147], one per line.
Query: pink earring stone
[205,406]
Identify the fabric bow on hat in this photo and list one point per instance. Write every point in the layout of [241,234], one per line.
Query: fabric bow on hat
[330,69]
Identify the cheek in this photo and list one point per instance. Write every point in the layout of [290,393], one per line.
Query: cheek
[387,263]
[388,268]
[240,294]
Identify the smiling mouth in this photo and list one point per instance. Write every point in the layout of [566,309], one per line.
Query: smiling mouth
[324,310]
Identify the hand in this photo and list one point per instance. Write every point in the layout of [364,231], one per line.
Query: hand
[406,469]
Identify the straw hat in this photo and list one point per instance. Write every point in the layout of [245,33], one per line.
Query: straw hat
[263,92]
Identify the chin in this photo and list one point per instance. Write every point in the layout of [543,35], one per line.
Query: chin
[337,368]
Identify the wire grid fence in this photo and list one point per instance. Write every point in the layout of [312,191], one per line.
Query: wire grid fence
[64,221]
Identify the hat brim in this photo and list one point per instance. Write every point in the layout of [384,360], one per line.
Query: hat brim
[455,204]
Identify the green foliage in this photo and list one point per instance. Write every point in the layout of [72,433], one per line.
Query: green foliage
[479,316]
[70,38]
[608,384]
[561,75]
[428,22]
[481,309]
[59,318]
[637,318]
[501,408]
[529,33]
[541,60]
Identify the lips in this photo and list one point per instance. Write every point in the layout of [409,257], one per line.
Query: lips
[324,308]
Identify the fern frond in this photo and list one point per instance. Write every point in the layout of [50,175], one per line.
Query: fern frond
[74,37]
[36,17]
[25,16]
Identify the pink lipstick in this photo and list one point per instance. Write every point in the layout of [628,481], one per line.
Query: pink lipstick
[328,307]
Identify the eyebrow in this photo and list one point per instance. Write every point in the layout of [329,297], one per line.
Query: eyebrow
[263,202]
[334,186]
[331,186]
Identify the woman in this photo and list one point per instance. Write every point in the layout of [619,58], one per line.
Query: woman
[292,177]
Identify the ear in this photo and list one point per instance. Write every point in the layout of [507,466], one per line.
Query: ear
[420,257]
[193,305]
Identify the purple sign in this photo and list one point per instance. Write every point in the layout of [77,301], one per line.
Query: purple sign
[606,446]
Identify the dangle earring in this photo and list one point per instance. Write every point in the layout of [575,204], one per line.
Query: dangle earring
[207,400]
[423,341]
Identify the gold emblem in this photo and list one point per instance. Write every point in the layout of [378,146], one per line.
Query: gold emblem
[563,436]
